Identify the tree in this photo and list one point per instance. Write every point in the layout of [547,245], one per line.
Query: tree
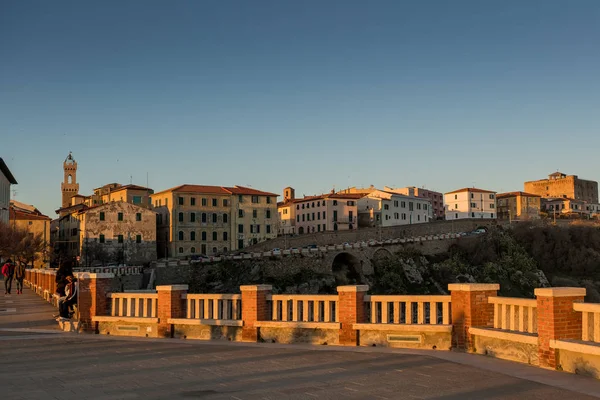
[20,244]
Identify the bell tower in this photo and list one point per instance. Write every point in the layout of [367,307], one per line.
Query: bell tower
[69,187]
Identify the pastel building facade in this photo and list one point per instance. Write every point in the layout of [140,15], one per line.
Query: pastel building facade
[384,208]
[435,198]
[28,218]
[470,203]
[518,206]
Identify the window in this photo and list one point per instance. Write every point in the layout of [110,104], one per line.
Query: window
[418,206]
[319,215]
[268,213]
[102,216]
[269,228]
[120,216]
[180,217]
[491,196]
[101,238]
[418,217]
[395,203]
[335,216]
[180,201]
[225,218]
[492,205]
[472,215]
[224,235]
[456,216]
[473,205]
[138,216]
[410,206]
[297,206]
[335,202]
[255,199]
[241,198]
[472,195]
[324,216]
[313,204]
[254,213]
[456,197]
[404,216]
[225,203]
[318,204]
[203,219]
[396,216]
[297,218]
[303,217]
[192,203]
[492,215]
[386,206]
[137,199]
[203,236]
[192,235]
[181,250]
[120,238]
[192,217]
[268,200]
[138,238]
[180,235]
[240,228]
[240,213]
[403,204]
[214,235]
[204,202]
[351,203]
[214,202]
[303,206]
[214,218]
[424,206]
[193,250]
[456,206]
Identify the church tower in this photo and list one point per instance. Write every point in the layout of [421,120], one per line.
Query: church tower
[69,187]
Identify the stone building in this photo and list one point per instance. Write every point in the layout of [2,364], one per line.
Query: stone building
[118,232]
[6,179]
[566,186]
[30,219]
[69,187]
[198,220]
[518,206]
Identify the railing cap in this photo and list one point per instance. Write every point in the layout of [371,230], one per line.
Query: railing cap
[171,288]
[353,288]
[255,288]
[560,292]
[90,275]
[473,287]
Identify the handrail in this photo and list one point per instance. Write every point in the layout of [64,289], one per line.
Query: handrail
[515,314]
[303,307]
[390,309]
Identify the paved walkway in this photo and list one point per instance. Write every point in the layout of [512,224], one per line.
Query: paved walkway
[37,363]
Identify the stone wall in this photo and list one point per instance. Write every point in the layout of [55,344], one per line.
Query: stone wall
[366,234]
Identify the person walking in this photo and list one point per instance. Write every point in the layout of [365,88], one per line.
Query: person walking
[20,277]
[8,270]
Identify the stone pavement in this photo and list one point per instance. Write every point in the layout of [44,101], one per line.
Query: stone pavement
[40,364]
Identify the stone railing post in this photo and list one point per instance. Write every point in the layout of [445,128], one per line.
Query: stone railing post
[170,305]
[92,301]
[470,307]
[557,320]
[351,310]
[254,308]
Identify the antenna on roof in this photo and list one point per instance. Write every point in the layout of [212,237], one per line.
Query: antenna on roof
[130,179]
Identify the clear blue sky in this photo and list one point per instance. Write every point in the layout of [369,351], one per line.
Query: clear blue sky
[310,94]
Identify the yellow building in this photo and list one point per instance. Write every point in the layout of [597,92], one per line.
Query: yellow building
[134,194]
[516,206]
[198,220]
[29,218]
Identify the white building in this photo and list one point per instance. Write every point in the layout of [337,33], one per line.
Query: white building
[384,208]
[6,179]
[469,203]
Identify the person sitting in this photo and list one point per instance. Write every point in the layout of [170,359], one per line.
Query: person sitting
[70,298]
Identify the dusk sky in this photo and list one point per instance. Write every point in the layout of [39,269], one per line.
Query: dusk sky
[308,94]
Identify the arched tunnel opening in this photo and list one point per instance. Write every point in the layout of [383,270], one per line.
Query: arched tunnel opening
[347,269]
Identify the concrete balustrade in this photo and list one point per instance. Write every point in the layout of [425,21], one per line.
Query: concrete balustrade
[555,330]
[515,314]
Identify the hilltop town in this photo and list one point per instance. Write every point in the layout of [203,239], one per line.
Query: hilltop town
[126,224]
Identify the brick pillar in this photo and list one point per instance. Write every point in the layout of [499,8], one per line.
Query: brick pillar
[170,305]
[470,307]
[92,301]
[254,308]
[351,310]
[556,320]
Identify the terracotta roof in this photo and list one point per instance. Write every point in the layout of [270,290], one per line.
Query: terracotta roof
[467,189]
[79,195]
[4,169]
[514,194]
[130,187]
[72,208]
[26,216]
[352,196]
[207,189]
[249,191]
